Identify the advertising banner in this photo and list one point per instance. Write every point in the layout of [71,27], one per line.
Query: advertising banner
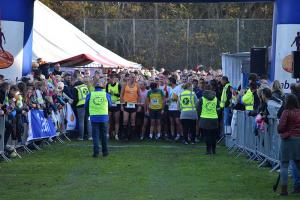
[16,20]
[286,43]
[11,49]
[39,126]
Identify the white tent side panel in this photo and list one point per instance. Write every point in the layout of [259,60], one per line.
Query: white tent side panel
[56,39]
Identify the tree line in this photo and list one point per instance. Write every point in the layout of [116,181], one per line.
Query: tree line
[162,36]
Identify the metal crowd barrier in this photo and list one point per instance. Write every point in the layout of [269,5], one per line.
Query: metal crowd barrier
[13,145]
[262,145]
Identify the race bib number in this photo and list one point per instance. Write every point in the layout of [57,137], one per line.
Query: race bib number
[130,105]
[154,101]
[173,106]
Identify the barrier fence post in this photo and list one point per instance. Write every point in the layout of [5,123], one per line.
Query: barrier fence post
[2,132]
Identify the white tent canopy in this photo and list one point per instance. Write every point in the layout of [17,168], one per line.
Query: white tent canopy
[56,39]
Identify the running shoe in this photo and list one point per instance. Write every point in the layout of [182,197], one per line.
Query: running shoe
[157,136]
[151,136]
[142,137]
[116,137]
[177,137]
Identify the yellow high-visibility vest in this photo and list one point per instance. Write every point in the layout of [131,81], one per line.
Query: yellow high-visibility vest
[224,95]
[248,100]
[98,104]
[209,108]
[187,102]
[115,90]
[82,91]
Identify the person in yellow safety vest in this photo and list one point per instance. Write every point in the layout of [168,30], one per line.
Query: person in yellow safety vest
[80,92]
[97,104]
[248,97]
[114,89]
[208,111]
[188,116]
[226,93]
[155,103]
[225,104]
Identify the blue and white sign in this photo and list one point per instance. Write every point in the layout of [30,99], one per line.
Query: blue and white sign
[39,126]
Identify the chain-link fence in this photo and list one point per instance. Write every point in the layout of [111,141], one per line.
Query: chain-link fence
[178,43]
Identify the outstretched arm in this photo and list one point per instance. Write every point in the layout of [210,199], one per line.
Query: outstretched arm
[293,42]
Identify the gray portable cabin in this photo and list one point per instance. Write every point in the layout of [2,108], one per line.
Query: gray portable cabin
[235,65]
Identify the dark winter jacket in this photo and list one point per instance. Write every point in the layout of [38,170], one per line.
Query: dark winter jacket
[289,124]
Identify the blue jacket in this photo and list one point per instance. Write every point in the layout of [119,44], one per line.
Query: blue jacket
[198,92]
[97,118]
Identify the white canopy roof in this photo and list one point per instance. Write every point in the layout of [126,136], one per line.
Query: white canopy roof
[55,39]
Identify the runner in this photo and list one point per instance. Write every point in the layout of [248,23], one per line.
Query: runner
[142,118]
[154,106]
[163,86]
[174,113]
[129,96]
[114,89]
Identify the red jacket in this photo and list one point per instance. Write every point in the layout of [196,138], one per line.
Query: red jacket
[289,124]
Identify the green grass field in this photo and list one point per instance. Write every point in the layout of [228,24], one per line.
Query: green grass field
[147,170]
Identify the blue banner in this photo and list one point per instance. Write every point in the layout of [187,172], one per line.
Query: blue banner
[39,126]
[16,22]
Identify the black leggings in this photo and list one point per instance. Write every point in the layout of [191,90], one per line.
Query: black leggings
[189,126]
[210,136]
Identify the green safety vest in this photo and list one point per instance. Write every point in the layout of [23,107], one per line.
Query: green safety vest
[82,91]
[187,102]
[248,100]
[115,91]
[224,95]
[209,108]
[98,104]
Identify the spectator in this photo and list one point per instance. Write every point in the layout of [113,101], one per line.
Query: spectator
[68,92]
[57,70]
[289,130]
[277,90]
